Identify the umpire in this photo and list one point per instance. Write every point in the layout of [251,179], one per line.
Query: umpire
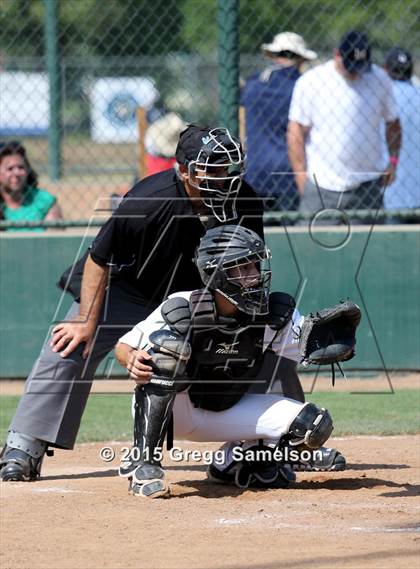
[141,255]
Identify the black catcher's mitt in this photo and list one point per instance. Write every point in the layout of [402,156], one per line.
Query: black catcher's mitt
[329,336]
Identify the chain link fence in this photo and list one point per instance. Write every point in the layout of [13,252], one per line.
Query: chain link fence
[97,91]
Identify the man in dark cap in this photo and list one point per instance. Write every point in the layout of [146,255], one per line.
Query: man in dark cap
[404,192]
[399,64]
[338,114]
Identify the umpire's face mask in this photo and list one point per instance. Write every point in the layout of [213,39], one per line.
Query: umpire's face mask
[219,184]
[217,174]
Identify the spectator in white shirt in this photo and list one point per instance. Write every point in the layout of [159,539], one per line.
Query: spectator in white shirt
[336,118]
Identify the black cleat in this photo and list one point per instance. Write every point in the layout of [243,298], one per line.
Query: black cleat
[148,481]
[127,467]
[268,475]
[328,460]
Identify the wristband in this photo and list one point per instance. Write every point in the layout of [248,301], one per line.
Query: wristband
[394,160]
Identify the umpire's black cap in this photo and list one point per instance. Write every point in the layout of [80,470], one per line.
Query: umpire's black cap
[399,63]
[191,141]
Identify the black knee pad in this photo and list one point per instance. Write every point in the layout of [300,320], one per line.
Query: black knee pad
[312,427]
[170,354]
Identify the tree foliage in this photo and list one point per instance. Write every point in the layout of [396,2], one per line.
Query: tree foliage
[157,27]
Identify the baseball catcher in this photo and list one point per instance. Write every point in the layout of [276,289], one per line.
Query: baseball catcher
[197,356]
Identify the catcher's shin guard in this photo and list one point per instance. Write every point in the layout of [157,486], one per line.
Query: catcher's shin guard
[148,440]
[152,414]
[153,410]
[21,458]
[153,402]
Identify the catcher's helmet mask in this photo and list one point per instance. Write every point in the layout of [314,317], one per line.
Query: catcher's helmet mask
[235,262]
[217,172]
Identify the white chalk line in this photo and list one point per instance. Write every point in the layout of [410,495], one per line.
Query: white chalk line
[415,529]
[59,490]
[263,520]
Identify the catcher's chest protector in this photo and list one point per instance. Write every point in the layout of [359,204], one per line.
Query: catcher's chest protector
[227,353]
[222,342]
[224,352]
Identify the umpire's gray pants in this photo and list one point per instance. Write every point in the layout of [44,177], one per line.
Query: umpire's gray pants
[57,388]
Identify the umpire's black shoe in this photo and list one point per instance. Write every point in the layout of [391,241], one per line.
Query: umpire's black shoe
[148,481]
[326,459]
[18,466]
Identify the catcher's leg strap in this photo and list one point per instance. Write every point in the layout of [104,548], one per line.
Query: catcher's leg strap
[311,427]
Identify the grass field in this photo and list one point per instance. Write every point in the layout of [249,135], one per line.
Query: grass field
[108,417]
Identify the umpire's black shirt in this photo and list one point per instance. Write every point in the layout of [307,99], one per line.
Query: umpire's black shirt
[151,238]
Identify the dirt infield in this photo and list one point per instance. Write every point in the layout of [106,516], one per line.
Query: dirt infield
[80,515]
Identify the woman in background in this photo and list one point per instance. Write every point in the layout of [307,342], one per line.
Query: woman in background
[20,197]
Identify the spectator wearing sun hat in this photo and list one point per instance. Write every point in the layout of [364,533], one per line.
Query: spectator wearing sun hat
[266,99]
